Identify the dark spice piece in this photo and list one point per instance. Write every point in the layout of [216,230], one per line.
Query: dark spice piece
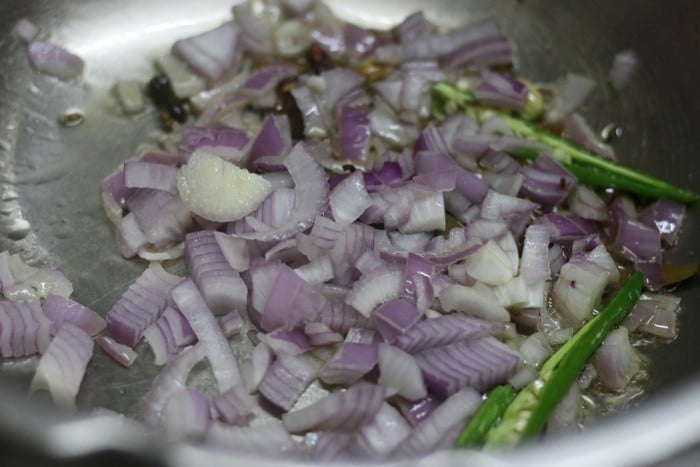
[160,90]
[317,59]
[288,106]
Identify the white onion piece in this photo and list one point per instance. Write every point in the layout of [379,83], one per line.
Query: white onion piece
[169,381]
[130,96]
[186,415]
[375,288]
[184,82]
[349,199]
[430,431]
[578,289]
[269,439]
[616,361]
[292,38]
[30,283]
[623,69]
[234,249]
[218,190]
[399,373]
[341,410]
[490,264]
[317,271]
[471,301]
[565,414]
[255,369]
[26,30]
[385,432]
[571,92]
[62,367]
[219,352]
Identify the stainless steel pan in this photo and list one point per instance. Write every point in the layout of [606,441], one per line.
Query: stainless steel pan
[50,207]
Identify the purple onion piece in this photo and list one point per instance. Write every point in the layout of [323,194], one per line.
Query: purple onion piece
[395,317]
[162,216]
[310,196]
[213,54]
[480,363]
[234,406]
[353,134]
[220,285]
[439,45]
[287,341]
[413,27]
[230,144]
[566,227]
[24,329]
[484,53]
[54,60]
[140,305]
[287,378]
[444,330]
[350,363]
[122,354]
[320,334]
[290,301]
[638,242]
[577,130]
[546,182]
[62,367]
[61,310]
[169,335]
[501,90]
[667,216]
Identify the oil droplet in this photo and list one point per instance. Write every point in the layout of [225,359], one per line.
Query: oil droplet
[72,118]
[611,132]
[15,229]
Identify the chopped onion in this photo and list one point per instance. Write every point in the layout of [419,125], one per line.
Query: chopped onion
[55,60]
[219,352]
[342,410]
[62,367]
[400,374]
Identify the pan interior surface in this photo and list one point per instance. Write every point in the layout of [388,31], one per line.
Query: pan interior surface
[51,210]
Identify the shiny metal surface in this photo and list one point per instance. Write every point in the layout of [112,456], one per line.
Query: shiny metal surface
[50,207]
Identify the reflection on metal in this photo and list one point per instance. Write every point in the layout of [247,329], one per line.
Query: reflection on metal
[50,174]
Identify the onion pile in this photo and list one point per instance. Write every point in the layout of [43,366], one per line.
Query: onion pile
[404,264]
